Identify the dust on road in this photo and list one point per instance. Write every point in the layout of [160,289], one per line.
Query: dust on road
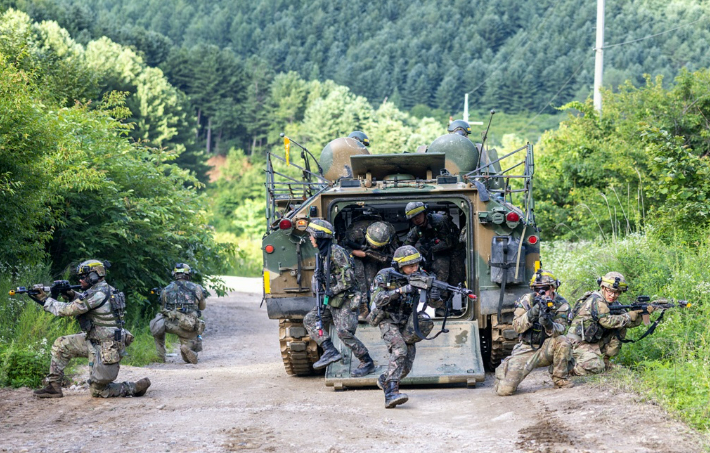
[238,398]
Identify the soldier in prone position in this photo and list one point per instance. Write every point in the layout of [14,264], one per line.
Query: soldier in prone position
[394,303]
[342,307]
[540,320]
[182,302]
[103,340]
[593,329]
[372,244]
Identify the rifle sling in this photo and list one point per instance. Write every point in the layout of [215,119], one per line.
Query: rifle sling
[648,332]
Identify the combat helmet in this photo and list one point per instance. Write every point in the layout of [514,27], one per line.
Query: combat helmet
[413,208]
[361,137]
[378,234]
[543,278]
[182,271]
[320,229]
[613,281]
[91,271]
[460,127]
[406,255]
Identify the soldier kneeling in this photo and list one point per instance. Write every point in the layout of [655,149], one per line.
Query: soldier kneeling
[182,302]
[540,319]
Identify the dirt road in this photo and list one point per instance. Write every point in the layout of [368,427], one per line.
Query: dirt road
[239,398]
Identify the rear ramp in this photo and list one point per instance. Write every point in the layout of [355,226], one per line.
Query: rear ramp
[451,358]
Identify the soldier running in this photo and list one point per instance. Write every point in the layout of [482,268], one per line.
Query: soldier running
[103,340]
[540,319]
[342,306]
[182,302]
[395,302]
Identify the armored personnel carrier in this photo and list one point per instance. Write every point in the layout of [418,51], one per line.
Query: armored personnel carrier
[488,198]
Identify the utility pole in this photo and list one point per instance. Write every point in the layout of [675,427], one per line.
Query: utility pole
[465,112]
[599,58]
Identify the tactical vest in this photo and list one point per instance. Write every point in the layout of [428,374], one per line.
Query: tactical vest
[180,295]
[106,318]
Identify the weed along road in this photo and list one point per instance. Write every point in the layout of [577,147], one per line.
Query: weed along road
[239,398]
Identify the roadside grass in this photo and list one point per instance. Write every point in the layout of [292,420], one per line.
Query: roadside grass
[672,366]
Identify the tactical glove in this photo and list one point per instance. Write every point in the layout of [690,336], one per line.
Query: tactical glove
[633,315]
[545,322]
[54,290]
[40,296]
[329,293]
[406,289]
[534,313]
[69,295]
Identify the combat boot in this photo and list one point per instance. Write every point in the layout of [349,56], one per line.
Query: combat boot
[141,387]
[188,355]
[392,395]
[330,355]
[366,367]
[381,382]
[51,390]
[364,311]
[561,383]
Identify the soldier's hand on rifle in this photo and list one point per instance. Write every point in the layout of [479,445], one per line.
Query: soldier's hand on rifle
[650,309]
[633,315]
[545,321]
[534,313]
[329,293]
[69,295]
[435,294]
[359,253]
[406,289]
[38,295]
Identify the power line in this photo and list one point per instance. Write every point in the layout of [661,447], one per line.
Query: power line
[653,36]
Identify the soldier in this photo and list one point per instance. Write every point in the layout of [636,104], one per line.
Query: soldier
[459,127]
[99,310]
[182,302]
[541,329]
[342,307]
[593,328]
[434,235]
[361,137]
[394,303]
[372,245]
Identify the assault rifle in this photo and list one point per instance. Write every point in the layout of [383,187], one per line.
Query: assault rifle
[425,283]
[322,280]
[57,288]
[642,304]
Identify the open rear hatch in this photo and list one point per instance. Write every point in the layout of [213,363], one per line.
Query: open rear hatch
[453,357]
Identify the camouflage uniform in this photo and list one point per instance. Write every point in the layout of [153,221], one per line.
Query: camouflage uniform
[436,242]
[589,351]
[392,315]
[538,347]
[376,258]
[98,344]
[342,308]
[181,301]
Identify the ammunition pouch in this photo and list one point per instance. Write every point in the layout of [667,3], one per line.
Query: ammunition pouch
[85,322]
[338,300]
[593,332]
[110,352]
[188,323]
[426,325]
[103,372]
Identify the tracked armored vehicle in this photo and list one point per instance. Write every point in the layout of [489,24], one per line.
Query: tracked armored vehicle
[488,198]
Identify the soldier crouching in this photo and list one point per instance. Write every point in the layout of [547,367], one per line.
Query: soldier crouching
[103,340]
[182,302]
[394,303]
[343,300]
[540,319]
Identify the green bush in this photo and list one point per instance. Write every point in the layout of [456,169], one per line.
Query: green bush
[23,367]
[673,364]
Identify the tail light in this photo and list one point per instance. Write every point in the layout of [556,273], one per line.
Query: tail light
[512,217]
[285,224]
[533,240]
[301,224]
[269,249]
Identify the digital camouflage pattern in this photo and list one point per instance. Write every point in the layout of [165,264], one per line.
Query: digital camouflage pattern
[344,317]
[181,304]
[436,241]
[538,347]
[588,353]
[391,313]
[98,341]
